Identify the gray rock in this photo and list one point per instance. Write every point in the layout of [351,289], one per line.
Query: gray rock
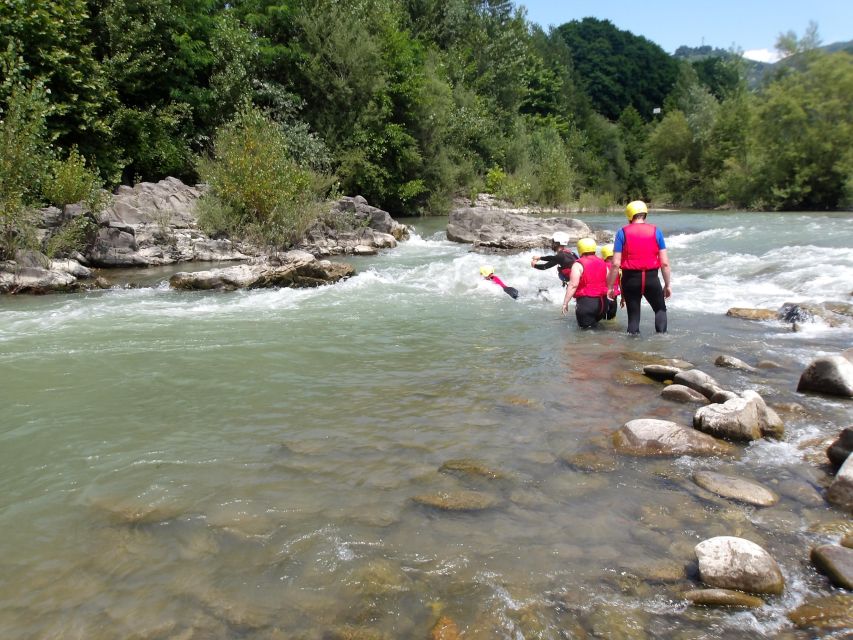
[698,380]
[500,229]
[834,314]
[768,364]
[15,278]
[734,563]
[770,423]
[752,314]
[680,393]
[114,247]
[722,598]
[71,267]
[828,613]
[733,363]
[719,396]
[836,562]
[650,437]
[839,451]
[298,269]
[840,492]
[735,488]
[743,418]
[832,375]
[661,372]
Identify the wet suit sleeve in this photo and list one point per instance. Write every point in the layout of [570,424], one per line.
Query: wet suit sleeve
[546,262]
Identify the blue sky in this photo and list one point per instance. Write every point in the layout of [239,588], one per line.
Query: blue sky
[750,25]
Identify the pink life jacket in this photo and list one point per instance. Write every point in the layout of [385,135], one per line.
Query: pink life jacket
[617,286]
[593,282]
[640,251]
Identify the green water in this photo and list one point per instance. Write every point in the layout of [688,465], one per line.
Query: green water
[242,465]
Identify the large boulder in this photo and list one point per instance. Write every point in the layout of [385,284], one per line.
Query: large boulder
[743,418]
[293,269]
[15,278]
[651,437]
[499,229]
[727,562]
[832,375]
[841,490]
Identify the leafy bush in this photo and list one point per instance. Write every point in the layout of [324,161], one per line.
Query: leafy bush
[74,235]
[71,182]
[257,190]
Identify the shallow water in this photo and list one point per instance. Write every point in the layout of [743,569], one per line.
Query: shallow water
[242,465]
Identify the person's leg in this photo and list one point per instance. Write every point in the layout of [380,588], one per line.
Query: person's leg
[654,296]
[612,308]
[587,312]
[631,292]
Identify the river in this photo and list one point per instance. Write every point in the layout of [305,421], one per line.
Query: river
[242,465]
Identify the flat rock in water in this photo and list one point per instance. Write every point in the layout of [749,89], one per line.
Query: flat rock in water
[651,437]
[835,562]
[661,372]
[841,490]
[680,393]
[832,375]
[469,467]
[698,380]
[827,613]
[444,629]
[752,314]
[733,363]
[727,562]
[735,488]
[591,461]
[723,598]
[457,501]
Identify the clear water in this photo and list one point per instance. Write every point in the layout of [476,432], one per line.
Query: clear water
[242,465]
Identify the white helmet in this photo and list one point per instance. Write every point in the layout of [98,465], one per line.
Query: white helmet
[561,238]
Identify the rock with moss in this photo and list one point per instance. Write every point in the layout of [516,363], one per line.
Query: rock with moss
[472,468]
[827,613]
[457,501]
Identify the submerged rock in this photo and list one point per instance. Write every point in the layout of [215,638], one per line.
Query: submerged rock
[699,381]
[836,562]
[735,488]
[827,613]
[457,501]
[832,375]
[651,437]
[661,372]
[734,363]
[723,598]
[591,461]
[734,563]
[680,393]
[752,314]
[444,629]
[469,467]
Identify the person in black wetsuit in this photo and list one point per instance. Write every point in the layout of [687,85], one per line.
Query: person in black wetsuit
[563,257]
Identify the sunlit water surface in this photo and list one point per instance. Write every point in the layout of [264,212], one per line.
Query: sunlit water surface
[242,465]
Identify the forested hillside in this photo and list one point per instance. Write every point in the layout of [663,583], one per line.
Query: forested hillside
[409,102]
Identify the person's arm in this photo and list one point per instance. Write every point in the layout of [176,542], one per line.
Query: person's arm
[574,281]
[613,274]
[667,274]
[546,262]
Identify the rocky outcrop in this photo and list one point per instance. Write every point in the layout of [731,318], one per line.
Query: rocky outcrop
[832,375]
[735,488]
[651,437]
[353,227]
[291,269]
[727,562]
[499,229]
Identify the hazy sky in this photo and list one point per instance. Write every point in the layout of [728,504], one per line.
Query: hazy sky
[750,25]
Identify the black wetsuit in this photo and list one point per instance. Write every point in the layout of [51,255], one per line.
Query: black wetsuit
[563,260]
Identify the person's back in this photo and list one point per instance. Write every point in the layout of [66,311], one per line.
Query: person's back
[588,286]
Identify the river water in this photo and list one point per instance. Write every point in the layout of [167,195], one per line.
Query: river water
[242,465]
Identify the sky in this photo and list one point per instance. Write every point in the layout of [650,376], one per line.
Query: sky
[751,26]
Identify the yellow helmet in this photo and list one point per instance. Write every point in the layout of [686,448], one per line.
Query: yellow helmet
[606,251]
[486,271]
[635,208]
[586,245]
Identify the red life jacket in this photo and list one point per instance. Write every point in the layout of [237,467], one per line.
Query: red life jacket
[640,251]
[593,282]
[566,272]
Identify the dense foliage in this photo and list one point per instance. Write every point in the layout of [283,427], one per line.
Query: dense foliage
[409,103]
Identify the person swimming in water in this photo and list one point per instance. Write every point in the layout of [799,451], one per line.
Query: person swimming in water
[489,274]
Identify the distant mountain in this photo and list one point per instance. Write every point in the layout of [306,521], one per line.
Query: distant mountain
[755,71]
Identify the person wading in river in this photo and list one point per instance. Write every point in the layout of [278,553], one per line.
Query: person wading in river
[612,304]
[588,285]
[639,250]
[563,258]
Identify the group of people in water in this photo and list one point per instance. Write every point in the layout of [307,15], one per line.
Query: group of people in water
[629,267]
